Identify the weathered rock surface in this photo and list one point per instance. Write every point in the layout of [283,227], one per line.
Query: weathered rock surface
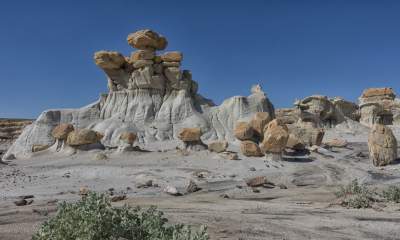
[243,131]
[258,123]
[382,145]
[61,131]
[250,149]
[378,105]
[190,134]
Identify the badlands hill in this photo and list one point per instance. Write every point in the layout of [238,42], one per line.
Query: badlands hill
[243,168]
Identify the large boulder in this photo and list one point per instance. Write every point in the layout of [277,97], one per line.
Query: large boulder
[276,136]
[243,131]
[84,136]
[61,131]
[307,134]
[190,134]
[382,145]
[250,149]
[258,123]
[147,39]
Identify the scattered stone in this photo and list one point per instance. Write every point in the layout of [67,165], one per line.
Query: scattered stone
[382,145]
[39,147]
[282,186]
[268,185]
[192,187]
[256,181]
[252,169]
[229,155]
[147,39]
[118,198]
[338,143]
[83,191]
[23,202]
[26,196]
[250,149]
[145,184]
[61,131]
[100,156]
[172,191]
[172,57]
[218,146]
[256,190]
[224,195]
[243,131]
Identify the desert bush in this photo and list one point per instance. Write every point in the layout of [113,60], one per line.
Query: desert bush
[93,218]
[356,195]
[392,194]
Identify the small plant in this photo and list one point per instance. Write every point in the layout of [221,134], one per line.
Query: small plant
[93,218]
[356,195]
[392,194]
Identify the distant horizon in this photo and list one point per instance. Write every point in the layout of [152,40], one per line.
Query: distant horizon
[292,49]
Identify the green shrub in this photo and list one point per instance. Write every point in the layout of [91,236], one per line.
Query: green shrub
[392,194]
[93,218]
[356,195]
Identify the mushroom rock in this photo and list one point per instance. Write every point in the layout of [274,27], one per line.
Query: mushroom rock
[148,98]
[378,105]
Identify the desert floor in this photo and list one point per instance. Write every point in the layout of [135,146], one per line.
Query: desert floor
[307,209]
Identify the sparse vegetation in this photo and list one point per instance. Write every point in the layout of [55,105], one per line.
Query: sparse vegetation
[392,194]
[356,195]
[94,218]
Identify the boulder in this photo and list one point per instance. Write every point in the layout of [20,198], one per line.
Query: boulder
[218,146]
[128,137]
[258,123]
[147,39]
[250,149]
[295,143]
[109,59]
[307,134]
[339,143]
[61,131]
[142,55]
[382,145]
[83,137]
[190,134]
[276,136]
[172,57]
[243,131]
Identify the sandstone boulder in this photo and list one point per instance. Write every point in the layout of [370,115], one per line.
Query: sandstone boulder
[128,137]
[307,134]
[83,137]
[276,136]
[258,123]
[190,134]
[250,149]
[339,143]
[218,146]
[109,60]
[382,145]
[172,57]
[243,131]
[147,39]
[61,131]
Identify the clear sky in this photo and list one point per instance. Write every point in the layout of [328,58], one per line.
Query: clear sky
[292,48]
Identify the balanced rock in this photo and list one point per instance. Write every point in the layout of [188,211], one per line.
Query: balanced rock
[243,131]
[258,123]
[276,136]
[382,145]
[61,131]
[83,137]
[250,149]
[109,59]
[172,57]
[147,39]
[218,146]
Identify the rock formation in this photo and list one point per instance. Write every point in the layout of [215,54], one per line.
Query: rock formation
[378,105]
[191,138]
[10,129]
[276,136]
[150,95]
[382,145]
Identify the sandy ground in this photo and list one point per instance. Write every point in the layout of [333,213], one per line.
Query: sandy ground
[305,210]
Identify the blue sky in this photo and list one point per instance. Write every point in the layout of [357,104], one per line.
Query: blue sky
[292,48]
